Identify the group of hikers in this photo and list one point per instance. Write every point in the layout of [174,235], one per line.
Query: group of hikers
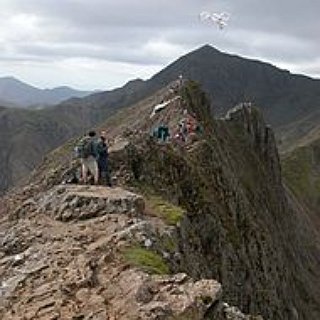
[92,150]
[187,127]
[93,154]
[186,130]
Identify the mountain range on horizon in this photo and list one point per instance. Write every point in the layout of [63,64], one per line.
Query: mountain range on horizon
[18,94]
[284,99]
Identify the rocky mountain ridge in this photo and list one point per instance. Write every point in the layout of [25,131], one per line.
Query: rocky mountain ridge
[213,208]
[284,99]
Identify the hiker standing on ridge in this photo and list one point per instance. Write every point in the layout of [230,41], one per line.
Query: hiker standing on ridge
[103,161]
[87,152]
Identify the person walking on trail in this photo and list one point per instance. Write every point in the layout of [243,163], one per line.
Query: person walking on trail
[87,152]
[103,161]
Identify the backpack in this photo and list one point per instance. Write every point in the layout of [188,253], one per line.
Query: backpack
[85,148]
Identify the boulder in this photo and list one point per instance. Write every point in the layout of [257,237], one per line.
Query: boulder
[77,202]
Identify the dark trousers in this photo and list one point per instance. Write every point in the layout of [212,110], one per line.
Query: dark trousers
[104,174]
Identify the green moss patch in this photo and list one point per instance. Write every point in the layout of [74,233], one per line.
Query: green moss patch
[165,210]
[147,260]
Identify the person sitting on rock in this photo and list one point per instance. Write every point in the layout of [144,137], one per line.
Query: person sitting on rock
[87,152]
[102,159]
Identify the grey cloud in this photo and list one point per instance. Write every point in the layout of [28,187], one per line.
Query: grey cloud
[282,30]
[100,13]
[114,54]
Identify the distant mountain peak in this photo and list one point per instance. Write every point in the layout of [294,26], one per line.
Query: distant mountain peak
[18,93]
[133,83]
[11,79]
[208,48]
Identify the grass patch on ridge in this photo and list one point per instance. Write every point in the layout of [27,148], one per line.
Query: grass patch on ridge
[165,210]
[147,260]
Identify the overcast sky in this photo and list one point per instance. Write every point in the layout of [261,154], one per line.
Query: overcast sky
[101,44]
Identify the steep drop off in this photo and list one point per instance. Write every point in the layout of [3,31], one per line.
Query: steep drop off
[235,221]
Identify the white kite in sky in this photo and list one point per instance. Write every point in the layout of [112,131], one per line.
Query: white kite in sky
[220,19]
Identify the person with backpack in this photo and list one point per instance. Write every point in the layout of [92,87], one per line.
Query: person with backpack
[103,161]
[87,152]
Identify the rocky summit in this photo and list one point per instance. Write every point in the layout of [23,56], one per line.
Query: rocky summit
[195,228]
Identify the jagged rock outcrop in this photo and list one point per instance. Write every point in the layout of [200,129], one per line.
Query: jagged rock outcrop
[185,299]
[68,202]
[259,134]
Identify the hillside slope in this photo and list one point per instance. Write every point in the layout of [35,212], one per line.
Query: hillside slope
[299,133]
[300,160]
[220,195]
[27,135]
[301,170]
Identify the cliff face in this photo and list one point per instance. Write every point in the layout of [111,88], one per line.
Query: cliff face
[217,207]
